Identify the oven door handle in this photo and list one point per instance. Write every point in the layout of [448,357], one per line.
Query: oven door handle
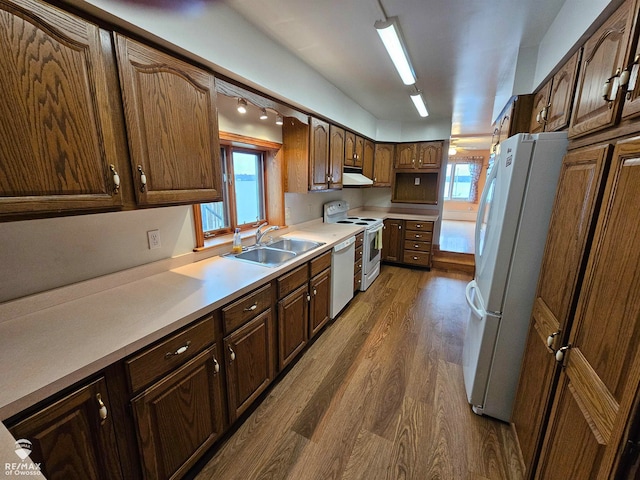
[375,232]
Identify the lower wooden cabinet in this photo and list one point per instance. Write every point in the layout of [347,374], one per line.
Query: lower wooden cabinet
[320,293]
[392,236]
[74,438]
[179,417]
[248,353]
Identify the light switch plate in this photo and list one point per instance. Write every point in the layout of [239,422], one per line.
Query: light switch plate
[416,181]
[154,239]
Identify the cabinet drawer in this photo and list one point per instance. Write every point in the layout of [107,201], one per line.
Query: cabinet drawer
[417,258]
[360,240]
[416,225]
[358,256]
[288,282]
[357,281]
[412,235]
[320,263]
[357,266]
[156,361]
[243,310]
[417,245]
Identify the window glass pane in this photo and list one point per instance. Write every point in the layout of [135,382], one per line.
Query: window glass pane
[213,216]
[248,187]
[447,182]
[461,181]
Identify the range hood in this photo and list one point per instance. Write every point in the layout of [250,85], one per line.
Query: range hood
[355,179]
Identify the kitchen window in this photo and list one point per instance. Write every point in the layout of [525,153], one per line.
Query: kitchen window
[245,168]
[461,179]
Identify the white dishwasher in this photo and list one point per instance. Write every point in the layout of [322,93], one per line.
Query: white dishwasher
[342,260]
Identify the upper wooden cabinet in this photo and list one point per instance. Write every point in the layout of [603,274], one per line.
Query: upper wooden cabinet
[598,100]
[382,164]
[61,142]
[552,103]
[418,155]
[172,124]
[353,150]
[514,118]
[310,164]
[368,158]
[336,155]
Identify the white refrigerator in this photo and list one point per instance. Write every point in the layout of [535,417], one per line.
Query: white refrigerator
[511,229]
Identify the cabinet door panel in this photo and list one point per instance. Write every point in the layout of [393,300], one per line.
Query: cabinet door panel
[172,122]
[318,155]
[561,95]
[405,155]
[570,229]
[359,152]
[540,107]
[382,165]
[602,368]
[367,164]
[59,131]
[320,291]
[248,354]
[349,149]
[429,154]
[293,324]
[69,439]
[179,417]
[336,154]
[604,53]
[392,240]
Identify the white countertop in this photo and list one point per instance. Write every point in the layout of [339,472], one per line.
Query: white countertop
[45,351]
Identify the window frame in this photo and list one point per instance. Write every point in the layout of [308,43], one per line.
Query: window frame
[447,195]
[272,187]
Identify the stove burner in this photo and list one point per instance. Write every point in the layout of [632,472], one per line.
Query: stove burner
[353,218]
[361,223]
[368,219]
[344,221]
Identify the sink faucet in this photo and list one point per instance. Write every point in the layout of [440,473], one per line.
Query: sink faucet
[260,233]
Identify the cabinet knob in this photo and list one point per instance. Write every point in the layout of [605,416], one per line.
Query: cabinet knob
[308,297]
[116,179]
[399,227]
[550,340]
[418,236]
[416,246]
[251,308]
[418,225]
[102,409]
[560,353]
[232,354]
[315,292]
[216,366]
[415,258]
[143,179]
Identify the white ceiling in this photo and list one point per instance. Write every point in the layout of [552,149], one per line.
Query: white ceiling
[460,50]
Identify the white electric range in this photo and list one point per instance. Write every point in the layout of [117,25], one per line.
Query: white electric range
[336,212]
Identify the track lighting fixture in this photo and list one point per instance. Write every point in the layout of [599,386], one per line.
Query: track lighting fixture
[242,105]
[263,114]
[279,120]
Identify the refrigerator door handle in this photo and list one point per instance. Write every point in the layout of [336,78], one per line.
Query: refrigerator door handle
[480,312]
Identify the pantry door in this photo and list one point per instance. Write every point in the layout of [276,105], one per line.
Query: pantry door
[599,383]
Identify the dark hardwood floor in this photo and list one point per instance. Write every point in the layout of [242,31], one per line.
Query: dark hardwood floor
[379,395]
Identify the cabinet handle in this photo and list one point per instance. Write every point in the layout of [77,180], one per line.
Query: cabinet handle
[116,179]
[606,87]
[399,227]
[418,236]
[232,355]
[545,113]
[415,258]
[550,340]
[418,225]
[315,292]
[560,353]
[102,409]
[375,179]
[143,179]
[251,308]
[630,72]
[308,297]
[179,351]
[416,246]
[216,366]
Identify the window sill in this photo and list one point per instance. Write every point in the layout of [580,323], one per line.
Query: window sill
[224,242]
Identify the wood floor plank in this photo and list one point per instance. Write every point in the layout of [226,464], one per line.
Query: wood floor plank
[379,395]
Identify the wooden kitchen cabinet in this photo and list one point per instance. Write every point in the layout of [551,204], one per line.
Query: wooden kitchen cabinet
[514,118]
[172,125]
[417,243]
[579,191]
[357,265]
[307,156]
[383,164]
[552,104]
[336,155]
[422,155]
[631,107]
[248,355]
[62,142]
[180,417]
[320,292]
[368,165]
[604,56]
[392,240]
[74,437]
[353,150]
[588,433]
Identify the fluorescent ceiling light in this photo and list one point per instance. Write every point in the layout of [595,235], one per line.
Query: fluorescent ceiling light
[389,32]
[418,101]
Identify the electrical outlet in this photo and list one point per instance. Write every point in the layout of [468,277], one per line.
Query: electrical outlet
[154,239]
[416,181]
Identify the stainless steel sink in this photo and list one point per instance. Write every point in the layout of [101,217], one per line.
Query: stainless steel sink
[276,253]
[270,257]
[296,245]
